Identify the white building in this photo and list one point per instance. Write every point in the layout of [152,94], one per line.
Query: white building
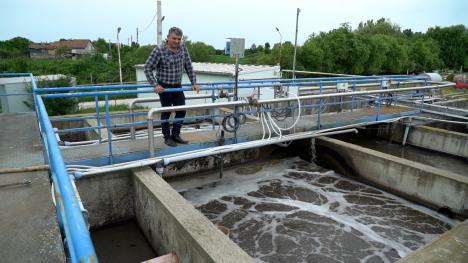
[216,72]
[17,89]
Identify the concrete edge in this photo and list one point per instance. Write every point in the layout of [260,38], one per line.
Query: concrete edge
[452,246]
[443,131]
[172,224]
[449,175]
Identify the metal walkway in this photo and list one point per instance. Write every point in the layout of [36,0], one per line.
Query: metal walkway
[373,96]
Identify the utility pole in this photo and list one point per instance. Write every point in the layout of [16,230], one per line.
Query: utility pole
[110,50]
[281,41]
[137,36]
[159,23]
[118,52]
[295,44]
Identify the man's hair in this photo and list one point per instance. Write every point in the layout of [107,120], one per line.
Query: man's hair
[175,30]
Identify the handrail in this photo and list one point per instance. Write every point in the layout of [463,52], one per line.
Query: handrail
[247,84]
[152,111]
[250,86]
[143,100]
[78,240]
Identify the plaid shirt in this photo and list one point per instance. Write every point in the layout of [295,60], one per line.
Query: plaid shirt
[168,66]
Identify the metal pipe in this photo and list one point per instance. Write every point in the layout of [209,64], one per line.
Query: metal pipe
[150,90]
[98,118]
[24,169]
[127,86]
[439,120]
[155,160]
[206,152]
[321,73]
[366,92]
[357,85]
[405,135]
[445,114]
[248,145]
[268,101]
[143,100]
[150,138]
[78,238]
[152,111]
[109,133]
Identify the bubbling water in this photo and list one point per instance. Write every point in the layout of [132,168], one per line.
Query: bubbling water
[294,211]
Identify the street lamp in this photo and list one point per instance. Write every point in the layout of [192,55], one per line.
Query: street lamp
[118,53]
[281,41]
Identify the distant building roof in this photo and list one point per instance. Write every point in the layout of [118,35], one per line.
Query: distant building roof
[41,46]
[72,43]
[226,69]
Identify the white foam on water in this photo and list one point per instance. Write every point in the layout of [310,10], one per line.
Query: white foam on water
[392,232]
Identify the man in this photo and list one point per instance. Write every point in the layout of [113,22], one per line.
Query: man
[168,62]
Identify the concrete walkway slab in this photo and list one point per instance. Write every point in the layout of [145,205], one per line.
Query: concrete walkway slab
[28,223]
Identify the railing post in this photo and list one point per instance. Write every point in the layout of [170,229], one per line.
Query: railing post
[213,110]
[109,133]
[98,118]
[150,137]
[132,118]
[379,101]
[319,106]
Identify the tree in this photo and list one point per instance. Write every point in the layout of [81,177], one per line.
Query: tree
[424,53]
[14,48]
[453,43]
[101,46]
[63,50]
[199,51]
[267,48]
[311,55]
[56,106]
[382,26]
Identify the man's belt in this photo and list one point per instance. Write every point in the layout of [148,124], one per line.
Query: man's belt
[165,85]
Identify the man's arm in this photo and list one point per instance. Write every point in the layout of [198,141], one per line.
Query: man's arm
[151,64]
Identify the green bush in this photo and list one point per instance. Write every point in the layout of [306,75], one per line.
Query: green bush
[56,106]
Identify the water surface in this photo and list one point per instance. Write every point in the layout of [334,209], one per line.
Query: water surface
[294,211]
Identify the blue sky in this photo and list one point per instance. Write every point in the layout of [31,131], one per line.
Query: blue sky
[212,21]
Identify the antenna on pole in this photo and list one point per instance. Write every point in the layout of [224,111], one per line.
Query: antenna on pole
[159,23]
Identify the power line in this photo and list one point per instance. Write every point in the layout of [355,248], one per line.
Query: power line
[152,20]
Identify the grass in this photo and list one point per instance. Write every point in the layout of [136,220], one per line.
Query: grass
[112,97]
[119,107]
[448,91]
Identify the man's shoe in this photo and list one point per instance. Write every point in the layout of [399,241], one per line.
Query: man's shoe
[177,138]
[170,142]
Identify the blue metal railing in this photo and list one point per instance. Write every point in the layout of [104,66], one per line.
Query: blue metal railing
[78,242]
[77,238]
[209,86]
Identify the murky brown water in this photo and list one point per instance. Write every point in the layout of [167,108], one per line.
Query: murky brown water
[293,211]
[122,243]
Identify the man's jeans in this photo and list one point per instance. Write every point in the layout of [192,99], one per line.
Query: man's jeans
[171,99]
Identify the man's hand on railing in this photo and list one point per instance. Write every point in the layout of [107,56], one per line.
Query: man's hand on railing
[196,87]
[159,89]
